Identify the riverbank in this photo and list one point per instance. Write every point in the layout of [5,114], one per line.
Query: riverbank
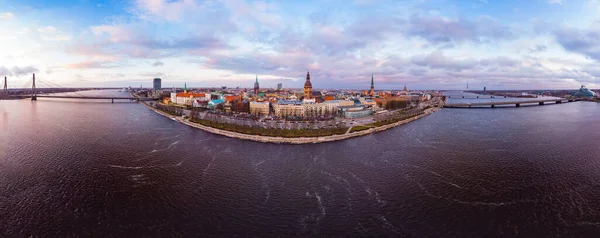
[299,140]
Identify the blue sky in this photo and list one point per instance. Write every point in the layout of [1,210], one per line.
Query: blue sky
[424,44]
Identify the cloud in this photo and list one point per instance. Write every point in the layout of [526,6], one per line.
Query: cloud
[584,42]
[139,40]
[437,59]
[341,46]
[500,61]
[538,48]
[50,33]
[261,12]
[18,71]
[437,29]
[4,71]
[91,64]
[142,36]
[47,29]
[6,15]
[165,10]
[95,51]
[555,1]
[156,74]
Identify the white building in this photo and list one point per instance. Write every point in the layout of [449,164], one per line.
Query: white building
[287,108]
[187,99]
[259,108]
[315,109]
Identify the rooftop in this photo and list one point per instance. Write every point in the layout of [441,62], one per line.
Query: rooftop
[289,102]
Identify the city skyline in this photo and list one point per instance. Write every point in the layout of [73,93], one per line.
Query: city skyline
[541,44]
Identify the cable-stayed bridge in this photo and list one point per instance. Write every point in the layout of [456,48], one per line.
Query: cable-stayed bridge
[48,90]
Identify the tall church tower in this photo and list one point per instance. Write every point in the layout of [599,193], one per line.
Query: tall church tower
[307,87]
[372,92]
[256,86]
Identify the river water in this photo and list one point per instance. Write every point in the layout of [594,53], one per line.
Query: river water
[96,169]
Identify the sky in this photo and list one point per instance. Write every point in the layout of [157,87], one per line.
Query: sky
[423,44]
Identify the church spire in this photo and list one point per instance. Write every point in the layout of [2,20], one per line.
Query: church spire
[372,91]
[256,87]
[184,87]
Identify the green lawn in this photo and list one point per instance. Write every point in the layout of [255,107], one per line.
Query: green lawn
[359,128]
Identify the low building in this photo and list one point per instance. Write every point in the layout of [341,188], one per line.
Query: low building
[259,108]
[227,106]
[316,109]
[333,105]
[584,92]
[393,103]
[358,111]
[200,103]
[214,103]
[288,108]
[426,97]
[309,100]
[368,102]
[187,99]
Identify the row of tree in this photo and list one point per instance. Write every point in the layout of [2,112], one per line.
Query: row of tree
[393,103]
[270,129]
[176,111]
[388,118]
[267,124]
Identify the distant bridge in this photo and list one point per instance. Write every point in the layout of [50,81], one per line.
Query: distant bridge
[78,97]
[98,97]
[35,93]
[517,103]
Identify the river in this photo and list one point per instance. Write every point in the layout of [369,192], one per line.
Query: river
[97,169]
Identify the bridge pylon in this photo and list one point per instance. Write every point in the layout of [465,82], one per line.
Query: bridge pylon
[33,90]
[5,89]
[4,93]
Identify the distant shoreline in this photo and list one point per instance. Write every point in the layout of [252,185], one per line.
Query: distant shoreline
[299,140]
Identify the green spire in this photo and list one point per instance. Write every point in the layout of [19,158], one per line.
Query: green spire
[185,86]
[372,82]
[257,78]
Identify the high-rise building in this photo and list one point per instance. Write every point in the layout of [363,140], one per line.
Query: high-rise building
[279,86]
[372,92]
[307,87]
[156,85]
[256,86]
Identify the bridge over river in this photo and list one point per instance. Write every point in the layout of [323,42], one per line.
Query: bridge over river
[34,93]
[97,98]
[492,102]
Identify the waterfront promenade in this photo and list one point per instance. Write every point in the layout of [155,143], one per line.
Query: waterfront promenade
[300,140]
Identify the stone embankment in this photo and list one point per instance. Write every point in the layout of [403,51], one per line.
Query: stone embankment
[300,140]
